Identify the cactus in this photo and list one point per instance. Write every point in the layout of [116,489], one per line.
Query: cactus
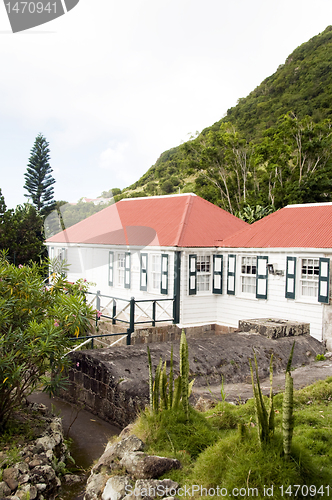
[171,382]
[287,408]
[163,388]
[265,419]
[178,389]
[150,380]
[184,372]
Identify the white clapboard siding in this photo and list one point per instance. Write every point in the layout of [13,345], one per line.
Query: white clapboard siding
[238,306]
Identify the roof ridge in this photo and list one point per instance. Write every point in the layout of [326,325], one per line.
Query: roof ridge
[183,222]
[158,197]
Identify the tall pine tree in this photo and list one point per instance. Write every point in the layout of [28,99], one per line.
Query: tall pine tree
[38,178]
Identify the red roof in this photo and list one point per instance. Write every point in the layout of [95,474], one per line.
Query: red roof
[296,226]
[184,220]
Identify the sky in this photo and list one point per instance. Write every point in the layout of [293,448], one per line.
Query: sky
[111,85]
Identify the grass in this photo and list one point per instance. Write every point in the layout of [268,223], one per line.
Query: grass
[215,454]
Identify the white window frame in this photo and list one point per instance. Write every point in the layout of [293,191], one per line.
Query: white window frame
[120,268]
[203,276]
[155,270]
[309,279]
[248,279]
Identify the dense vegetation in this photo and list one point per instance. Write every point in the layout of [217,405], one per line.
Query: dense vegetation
[220,448]
[272,149]
[36,324]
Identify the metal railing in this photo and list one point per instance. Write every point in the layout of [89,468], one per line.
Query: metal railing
[131,312]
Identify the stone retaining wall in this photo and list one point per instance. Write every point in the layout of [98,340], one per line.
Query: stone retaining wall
[113,383]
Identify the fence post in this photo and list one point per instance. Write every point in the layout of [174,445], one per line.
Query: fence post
[114,312]
[131,328]
[97,306]
[154,313]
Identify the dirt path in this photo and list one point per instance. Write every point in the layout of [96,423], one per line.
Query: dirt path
[241,392]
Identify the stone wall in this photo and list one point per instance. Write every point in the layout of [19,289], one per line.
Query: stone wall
[274,328]
[161,333]
[113,383]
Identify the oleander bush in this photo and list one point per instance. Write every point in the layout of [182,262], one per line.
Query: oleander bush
[36,323]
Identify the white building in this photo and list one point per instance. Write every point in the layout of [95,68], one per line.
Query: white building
[217,268]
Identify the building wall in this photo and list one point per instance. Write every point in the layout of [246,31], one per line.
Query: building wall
[92,263]
[242,306]
[227,309]
[203,307]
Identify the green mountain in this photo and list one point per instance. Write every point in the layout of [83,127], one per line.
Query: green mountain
[271,149]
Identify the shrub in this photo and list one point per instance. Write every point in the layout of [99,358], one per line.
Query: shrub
[36,323]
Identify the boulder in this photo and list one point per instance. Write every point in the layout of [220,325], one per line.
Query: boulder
[143,466]
[115,488]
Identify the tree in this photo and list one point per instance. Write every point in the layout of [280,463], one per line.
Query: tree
[38,178]
[21,233]
[36,324]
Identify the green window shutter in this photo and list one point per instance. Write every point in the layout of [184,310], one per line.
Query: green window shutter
[110,268]
[231,270]
[127,270]
[192,274]
[62,255]
[164,274]
[290,277]
[324,280]
[217,274]
[261,277]
[144,272]
[51,252]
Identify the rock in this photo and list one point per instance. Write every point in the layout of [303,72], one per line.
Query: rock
[115,488]
[27,491]
[44,472]
[126,431]
[70,479]
[204,404]
[143,466]
[118,450]
[155,488]
[4,489]
[95,485]
[41,486]
[10,477]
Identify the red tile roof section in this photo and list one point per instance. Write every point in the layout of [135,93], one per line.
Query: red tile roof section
[295,226]
[177,220]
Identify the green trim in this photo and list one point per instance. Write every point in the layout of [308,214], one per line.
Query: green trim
[217,274]
[290,278]
[261,278]
[324,280]
[144,272]
[192,274]
[231,272]
[164,274]
[127,270]
[110,268]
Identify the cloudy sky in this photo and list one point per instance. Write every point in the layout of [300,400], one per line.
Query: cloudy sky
[111,85]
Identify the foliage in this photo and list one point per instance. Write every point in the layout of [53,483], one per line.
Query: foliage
[251,214]
[36,323]
[213,453]
[264,417]
[272,149]
[38,178]
[165,392]
[287,409]
[171,432]
[21,233]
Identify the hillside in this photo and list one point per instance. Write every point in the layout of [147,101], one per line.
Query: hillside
[301,87]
